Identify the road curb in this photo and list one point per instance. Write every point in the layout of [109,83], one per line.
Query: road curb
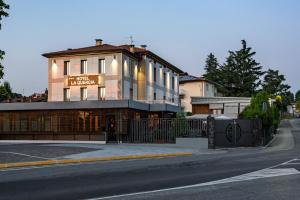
[87,160]
[273,139]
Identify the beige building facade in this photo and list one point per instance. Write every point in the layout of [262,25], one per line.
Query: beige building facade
[191,86]
[108,72]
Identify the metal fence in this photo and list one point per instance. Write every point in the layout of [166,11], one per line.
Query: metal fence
[163,130]
[238,132]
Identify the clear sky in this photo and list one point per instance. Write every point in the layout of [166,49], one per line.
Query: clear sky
[183,32]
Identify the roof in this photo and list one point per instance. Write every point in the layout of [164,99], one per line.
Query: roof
[77,105]
[219,100]
[107,48]
[186,78]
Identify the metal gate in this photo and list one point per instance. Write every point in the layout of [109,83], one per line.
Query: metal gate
[164,130]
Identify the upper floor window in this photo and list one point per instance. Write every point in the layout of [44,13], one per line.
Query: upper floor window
[101,93]
[154,96]
[101,65]
[154,74]
[131,67]
[83,66]
[164,77]
[173,82]
[83,94]
[66,67]
[66,94]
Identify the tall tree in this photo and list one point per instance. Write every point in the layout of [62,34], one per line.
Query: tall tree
[297,95]
[274,83]
[3,13]
[211,68]
[240,74]
[7,87]
[3,93]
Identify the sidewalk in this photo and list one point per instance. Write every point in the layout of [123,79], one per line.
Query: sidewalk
[13,155]
[34,153]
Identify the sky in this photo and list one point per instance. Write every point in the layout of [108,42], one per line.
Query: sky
[182,32]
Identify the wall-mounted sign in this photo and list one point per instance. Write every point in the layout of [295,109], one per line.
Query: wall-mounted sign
[83,80]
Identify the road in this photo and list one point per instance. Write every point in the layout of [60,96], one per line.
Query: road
[243,173]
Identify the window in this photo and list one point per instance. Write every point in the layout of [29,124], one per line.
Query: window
[101,65]
[154,77]
[83,94]
[66,94]
[173,82]
[164,77]
[164,98]
[67,68]
[131,93]
[83,67]
[154,96]
[131,67]
[101,93]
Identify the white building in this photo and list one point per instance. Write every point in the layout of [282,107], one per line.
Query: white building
[195,86]
[228,106]
[108,72]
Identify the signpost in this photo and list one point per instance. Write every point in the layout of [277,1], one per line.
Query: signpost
[83,80]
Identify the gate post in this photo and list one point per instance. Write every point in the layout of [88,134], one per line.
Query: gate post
[211,132]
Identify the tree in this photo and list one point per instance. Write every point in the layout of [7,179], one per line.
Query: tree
[298,105]
[3,93]
[269,115]
[7,87]
[274,83]
[240,74]
[297,95]
[211,68]
[3,13]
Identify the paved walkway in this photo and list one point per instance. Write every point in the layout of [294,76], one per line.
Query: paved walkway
[130,149]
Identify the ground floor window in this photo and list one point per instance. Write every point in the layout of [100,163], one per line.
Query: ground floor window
[83,94]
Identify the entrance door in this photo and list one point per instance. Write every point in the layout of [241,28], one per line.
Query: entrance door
[111,128]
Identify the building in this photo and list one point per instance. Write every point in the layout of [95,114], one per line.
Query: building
[228,106]
[107,72]
[94,90]
[195,86]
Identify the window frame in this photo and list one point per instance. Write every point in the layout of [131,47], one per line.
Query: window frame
[66,68]
[154,74]
[100,92]
[66,94]
[173,82]
[83,93]
[101,66]
[83,66]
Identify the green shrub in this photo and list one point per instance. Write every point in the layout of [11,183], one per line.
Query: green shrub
[269,116]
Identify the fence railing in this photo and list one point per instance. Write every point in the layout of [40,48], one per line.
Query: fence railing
[163,130]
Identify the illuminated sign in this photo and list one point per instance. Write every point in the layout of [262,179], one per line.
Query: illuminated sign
[83,80]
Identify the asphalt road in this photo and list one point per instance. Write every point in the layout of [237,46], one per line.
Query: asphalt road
[36,152]
[193,177]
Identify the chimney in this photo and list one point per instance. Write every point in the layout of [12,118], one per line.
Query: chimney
[143,46]
[131,48]
[98,42]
